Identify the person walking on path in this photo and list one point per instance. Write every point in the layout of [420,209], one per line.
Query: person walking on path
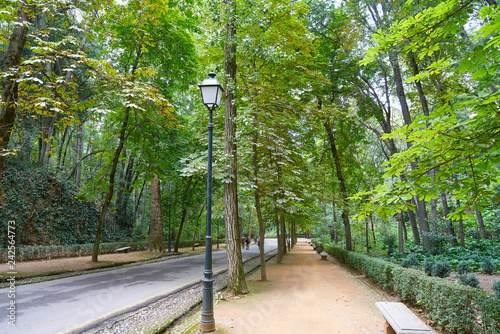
[247,241]
[303,294]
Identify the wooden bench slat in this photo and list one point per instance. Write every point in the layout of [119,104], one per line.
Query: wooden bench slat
[401,319]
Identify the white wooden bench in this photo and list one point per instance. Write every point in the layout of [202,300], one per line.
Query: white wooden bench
[324,255]
[400,320]
[123,250]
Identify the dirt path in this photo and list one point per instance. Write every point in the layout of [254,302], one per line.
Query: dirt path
[303,295]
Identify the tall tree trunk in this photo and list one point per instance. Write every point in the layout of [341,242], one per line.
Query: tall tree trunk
[78,154]
[449,223]
[400,233]
[398,78]
[196,232]
[179,233]
[155,243]
[256,193]
[367,239]
[279,256]
[111,186]
[373,229]
[461,227]
[125,187]
[413,223]
[250,224]
[139,198]
[114,164]
[236,283]
[61,147]
[343,190]
[184,211]
[480,223]
[13,57]
[281,211]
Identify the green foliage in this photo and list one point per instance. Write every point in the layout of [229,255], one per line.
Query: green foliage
[441,269]
[437,242]
[410,261]
[389,241]
[454,308]
[470,280]
[472,256]
[496,288]
[463,268]
[33,253]
[428,266]
[487,265]
[46,211]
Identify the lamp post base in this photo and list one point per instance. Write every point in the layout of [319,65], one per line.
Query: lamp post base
[207,328]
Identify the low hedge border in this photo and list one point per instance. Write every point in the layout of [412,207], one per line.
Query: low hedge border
[454,308]
[33,253]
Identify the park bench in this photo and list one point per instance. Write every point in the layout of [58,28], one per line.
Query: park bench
[196,245]
[123,250]
[400,320]
[324,255]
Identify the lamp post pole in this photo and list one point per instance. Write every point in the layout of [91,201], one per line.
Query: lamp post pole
[207,313]
[169,244]
[211,92]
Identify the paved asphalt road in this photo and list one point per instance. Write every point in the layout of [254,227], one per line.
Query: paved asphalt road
[62,305]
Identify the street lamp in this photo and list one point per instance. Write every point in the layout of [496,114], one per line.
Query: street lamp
[211,92]
[169,204]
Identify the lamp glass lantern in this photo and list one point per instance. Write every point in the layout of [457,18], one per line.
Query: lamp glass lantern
[211,91]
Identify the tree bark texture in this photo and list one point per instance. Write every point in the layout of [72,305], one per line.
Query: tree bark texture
[281,211]
[111,186]
[114,164]
[179,233]
[155,243]
[236,283]
[255,165]
[480,223]
[343,189]
[279,256]
[400,233]
[398,78]
[449,223]
[13,59]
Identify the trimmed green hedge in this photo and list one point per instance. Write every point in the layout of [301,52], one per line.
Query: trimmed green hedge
[32,253]
[453,307]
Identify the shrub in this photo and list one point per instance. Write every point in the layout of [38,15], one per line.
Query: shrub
[410,261]
[389,241]
[437,242]
[428,265]
[453,307]
[475,258]
[463,268]
[441,269]
[470,280]
[496,288]
[487,265]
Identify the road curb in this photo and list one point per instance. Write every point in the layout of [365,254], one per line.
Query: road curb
[156,314]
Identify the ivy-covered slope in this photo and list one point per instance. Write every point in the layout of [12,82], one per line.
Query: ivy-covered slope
[46,211]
